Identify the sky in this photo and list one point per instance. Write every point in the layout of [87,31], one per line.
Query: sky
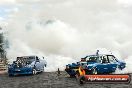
[67,29]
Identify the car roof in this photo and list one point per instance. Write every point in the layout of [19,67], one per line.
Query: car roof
[100,55]
[26,56]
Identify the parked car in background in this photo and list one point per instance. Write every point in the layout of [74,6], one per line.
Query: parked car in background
[27,65]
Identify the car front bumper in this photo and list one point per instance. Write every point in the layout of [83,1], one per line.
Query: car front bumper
[19,71]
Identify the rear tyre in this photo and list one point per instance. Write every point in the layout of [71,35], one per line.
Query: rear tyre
[117,70]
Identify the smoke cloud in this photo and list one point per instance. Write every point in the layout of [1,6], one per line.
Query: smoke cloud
[64,31]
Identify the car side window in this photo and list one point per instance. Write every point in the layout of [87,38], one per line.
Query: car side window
[105,59]
[111,59]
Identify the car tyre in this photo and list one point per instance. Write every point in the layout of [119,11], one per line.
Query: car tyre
[34,72]
[94,71]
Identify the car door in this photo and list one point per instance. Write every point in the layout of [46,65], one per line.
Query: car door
[42,64]
[103,66]
[113,63]
[37,64]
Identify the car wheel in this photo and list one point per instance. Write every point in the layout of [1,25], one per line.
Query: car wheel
[34,72]
[117,70]
[94,71]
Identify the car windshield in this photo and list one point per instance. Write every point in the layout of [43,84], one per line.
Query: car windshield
[25,60]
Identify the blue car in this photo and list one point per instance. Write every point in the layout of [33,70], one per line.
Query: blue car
[27,65]
[103,64]
[72,69]
[96,64]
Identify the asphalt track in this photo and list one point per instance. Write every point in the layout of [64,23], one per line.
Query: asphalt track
[51,80]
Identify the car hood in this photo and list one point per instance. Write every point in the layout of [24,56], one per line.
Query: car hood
[21,66]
